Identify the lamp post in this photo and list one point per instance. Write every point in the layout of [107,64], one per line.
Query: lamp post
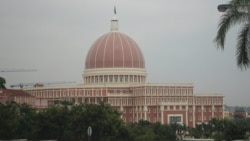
[89,131]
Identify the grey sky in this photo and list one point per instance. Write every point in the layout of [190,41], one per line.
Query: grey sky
[176,38]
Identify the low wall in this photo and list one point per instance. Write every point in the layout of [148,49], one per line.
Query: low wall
[192,139]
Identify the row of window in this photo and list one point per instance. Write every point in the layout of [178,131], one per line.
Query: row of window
[114,79]
[164,91]
[23,99]
[154,110]
[209,109]
[154,100]
[125,101]
[207,100]
[154,119]
[130,110]
[65,93]
[174,119]
[205,118]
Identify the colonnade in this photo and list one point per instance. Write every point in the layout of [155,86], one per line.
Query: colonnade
[188,115]
[114,79]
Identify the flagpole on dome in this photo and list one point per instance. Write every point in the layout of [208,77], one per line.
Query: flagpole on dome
[114,22]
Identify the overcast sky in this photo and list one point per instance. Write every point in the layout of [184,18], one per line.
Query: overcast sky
[176,38]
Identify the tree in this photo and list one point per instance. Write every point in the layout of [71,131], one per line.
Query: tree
[16,121]
[2,83]
[237,14]
[104,120]
[163,132]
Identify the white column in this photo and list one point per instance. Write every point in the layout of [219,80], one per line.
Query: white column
[162,114]
[145,109]
[141,111]
[186,115]
[121,109]
[212,111]
[202,112]
[194,116]
[137,113]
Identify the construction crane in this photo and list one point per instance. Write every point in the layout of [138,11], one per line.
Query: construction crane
[17,70]
[41,84]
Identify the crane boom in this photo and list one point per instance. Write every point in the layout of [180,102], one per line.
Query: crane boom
[17,70]
[41,84]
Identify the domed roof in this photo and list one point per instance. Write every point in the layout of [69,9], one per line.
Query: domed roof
[114,50]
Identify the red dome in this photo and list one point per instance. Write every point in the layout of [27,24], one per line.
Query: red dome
[114,50]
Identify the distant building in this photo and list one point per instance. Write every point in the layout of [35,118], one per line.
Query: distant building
[248,116]
[240,114]
[227,115]
[115,73]
[19,96]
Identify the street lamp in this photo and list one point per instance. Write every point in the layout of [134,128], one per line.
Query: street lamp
[224,7]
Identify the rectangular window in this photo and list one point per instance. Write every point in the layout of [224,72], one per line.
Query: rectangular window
[175,119]
[220,109]
[130,110]
[199,118]
[199,109]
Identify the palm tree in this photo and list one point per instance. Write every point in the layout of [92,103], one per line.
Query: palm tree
[2,83]
[239,13]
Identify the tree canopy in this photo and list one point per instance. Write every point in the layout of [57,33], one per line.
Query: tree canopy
[67,122]
[238,14]
[2,83]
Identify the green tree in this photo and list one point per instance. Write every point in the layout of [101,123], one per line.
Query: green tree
[2,83]
[66,122]
[238,14]
[141,131]
[163,132]
[9,120]
[26,121]
[104,120]
[53,123]
[16,121]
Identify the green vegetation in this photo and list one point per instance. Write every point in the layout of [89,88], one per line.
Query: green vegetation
[67,122]
[223,129]
[2,83]
[238,14]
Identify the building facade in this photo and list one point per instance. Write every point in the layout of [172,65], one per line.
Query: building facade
[19,96]
[115,73]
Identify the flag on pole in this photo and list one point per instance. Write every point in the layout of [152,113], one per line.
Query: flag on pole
[114,9]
